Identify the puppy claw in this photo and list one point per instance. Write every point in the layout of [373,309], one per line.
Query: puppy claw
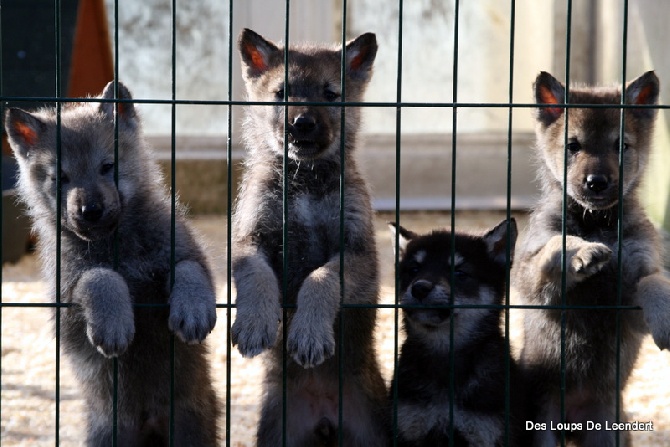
[111,340]
[252,336]
[191,323]
[310,349]
[590,259]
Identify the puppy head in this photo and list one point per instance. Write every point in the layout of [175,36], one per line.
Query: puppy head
[592,150]
[446,277]
[313,76]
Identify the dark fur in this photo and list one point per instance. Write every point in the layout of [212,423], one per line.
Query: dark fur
[591,249]
[103,277]
[313,247]
[480,353]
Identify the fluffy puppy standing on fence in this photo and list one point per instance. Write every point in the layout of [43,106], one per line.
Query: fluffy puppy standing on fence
[103,276]
[480,352]
[592,185]
[313,247]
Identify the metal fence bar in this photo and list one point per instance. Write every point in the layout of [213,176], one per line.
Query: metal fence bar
[624,64]
[285,220]
[229,234]
[396,242]
[173,207]
[452,268]
[564,209]
[57,42]
[508,215]
[341,354]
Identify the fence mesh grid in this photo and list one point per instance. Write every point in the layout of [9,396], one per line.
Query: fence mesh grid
[227,302]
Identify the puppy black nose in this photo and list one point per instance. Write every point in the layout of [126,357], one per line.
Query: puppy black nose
[597,182]
[421,289]
[91,212]
[304,123]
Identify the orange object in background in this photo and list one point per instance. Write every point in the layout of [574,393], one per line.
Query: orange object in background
[92,65]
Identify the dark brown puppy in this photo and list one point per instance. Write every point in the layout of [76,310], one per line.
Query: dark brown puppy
[312,273]
[592,185]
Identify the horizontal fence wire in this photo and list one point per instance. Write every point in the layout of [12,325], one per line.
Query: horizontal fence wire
[398,105]
[366,104]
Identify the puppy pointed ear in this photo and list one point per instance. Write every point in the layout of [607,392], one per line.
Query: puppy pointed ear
[496,241]
[24,131]
[548,91]
[643,91]
[126,110]
[258,54]
[404,236]
[360,55]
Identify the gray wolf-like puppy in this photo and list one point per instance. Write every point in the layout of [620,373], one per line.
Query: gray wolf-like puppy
[592,184]
[315,346]
[115,267]
[480,355]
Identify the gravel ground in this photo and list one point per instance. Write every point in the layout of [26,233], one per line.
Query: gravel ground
[32,415]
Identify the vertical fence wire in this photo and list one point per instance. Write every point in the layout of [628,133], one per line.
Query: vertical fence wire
[173,207]
[508,215]
[342,312]
[564,210]
[229,234]
[59,188]
[619,298]
[452,269]
[396,242]
[115,360]
[285,221]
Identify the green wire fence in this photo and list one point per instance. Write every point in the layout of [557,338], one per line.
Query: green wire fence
[226,303]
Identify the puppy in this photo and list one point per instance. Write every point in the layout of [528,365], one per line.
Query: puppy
[455,283]
[593,185]
[331,367]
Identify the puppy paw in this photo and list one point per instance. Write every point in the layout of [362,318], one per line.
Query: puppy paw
[110,321]
[309,346]
[192,303]
[112,334]
[192,320]
[254,332]
[653,295]
[589,259]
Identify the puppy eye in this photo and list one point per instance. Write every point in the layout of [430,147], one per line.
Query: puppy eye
[63,178]
[616,146]
[106,168]
[573,146]
[330,95]
[279,93]
[414,267]
[460,274]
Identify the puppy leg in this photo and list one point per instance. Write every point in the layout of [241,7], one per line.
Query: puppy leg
[311,338]
[105,299]
[653,295]
[258,309]
[584,259]
[192,303]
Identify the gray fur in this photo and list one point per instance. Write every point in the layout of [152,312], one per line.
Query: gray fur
[313,249]
[104,277]
[591,256]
